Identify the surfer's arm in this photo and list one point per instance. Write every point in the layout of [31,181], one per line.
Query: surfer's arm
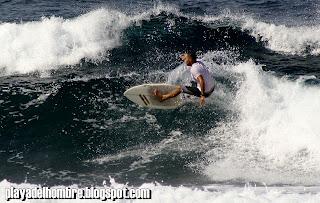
[202,84]
[202,89]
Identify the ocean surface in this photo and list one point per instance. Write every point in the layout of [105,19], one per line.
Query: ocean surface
[64,121]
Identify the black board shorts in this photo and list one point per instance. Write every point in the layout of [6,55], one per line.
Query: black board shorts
[193,90]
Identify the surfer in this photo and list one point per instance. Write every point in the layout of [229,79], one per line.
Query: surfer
[201,84]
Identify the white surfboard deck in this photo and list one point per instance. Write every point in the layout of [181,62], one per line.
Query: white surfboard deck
[143,96]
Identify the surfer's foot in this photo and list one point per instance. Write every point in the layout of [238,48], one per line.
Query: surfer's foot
[157,93]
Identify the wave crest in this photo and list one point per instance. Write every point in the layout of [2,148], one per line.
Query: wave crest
[55,41]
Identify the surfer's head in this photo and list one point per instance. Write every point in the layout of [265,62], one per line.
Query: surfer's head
[189,58]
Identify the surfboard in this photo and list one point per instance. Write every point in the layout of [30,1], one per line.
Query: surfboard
[143,96]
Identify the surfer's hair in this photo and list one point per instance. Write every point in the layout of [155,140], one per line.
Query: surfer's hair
[192,54]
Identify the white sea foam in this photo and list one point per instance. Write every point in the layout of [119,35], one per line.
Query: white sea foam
[53,42]
[275,138]
[213,193]
[281,38]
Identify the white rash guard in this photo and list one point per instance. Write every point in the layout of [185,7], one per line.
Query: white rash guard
[199,68]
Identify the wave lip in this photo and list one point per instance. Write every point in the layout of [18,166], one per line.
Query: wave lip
[54,41]
[290,40]
[294,40]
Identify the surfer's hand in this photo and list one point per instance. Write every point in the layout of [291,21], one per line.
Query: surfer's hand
[202,100]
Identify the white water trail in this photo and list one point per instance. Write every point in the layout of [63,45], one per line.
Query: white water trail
[276,137]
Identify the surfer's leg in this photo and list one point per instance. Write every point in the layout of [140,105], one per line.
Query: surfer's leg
[191,90]
[163,97]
